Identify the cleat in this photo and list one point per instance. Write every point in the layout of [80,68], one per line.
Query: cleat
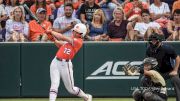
[89,97]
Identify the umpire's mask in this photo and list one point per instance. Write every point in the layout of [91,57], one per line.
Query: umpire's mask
[154,40]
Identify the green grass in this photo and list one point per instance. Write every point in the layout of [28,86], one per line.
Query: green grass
[71,99]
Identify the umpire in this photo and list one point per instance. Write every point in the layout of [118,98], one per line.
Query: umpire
[168,61]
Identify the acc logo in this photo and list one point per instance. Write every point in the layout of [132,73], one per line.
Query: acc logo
[110,71]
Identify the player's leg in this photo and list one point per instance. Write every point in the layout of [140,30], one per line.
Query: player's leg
[68,79]
[137,95]
[55,80]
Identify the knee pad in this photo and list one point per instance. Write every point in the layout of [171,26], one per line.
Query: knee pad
[137,95]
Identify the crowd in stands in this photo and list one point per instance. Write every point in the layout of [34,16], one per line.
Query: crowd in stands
[106,20]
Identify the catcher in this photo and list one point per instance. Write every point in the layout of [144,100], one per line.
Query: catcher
[153,86]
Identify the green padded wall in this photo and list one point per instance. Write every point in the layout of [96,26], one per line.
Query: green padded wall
[9,70]
[103,68]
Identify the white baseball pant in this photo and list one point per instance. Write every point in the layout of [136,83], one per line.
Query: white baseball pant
[63,70]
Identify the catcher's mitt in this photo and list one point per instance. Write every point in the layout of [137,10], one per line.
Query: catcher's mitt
[130,69]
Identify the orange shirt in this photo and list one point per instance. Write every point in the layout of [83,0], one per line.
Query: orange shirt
[48,9]
[68,50]
[36,29]
[176,5]
[136,11]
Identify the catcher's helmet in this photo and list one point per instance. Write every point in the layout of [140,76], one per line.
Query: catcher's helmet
[80,28]
[150,60]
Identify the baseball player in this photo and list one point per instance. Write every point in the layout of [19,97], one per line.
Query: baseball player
[153,85]
[61,66]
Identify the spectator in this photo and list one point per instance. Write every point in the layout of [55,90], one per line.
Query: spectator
[176,5]
[76,3]
[9,6]
[58,3]
[3,17]
[111,4]
[117,28]
[173,27]
[60,11]
[144,29]
[17,28]
[87,10]
[29,3]
[38,31]
[160,12]
[133,10]
[65,23]
[98,27]
[108,7]
[51,4]
[41,4]
[145,3]
[170,3]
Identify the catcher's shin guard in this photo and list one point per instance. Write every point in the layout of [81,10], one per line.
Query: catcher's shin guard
[137,95]
[150,96]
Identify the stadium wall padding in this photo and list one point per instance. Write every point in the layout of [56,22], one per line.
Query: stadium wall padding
[10,70]
[24,69]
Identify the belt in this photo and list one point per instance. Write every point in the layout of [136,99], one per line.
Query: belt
[62,59]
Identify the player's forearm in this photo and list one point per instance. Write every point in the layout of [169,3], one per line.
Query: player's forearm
[59,36]
[58,30]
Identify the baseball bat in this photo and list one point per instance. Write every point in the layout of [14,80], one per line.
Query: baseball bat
[30,13]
